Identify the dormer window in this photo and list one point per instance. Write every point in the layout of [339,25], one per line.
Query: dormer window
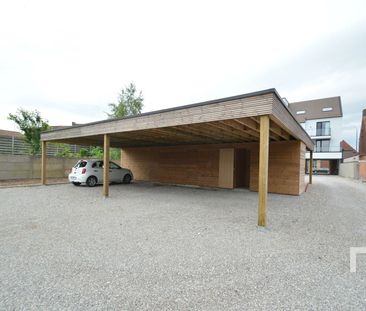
[325,109]
[300,112]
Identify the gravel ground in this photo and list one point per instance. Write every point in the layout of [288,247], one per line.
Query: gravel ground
[29,182]
[151,247]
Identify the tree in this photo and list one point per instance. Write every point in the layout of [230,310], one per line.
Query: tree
[97,152]
[64,151]
[31,124]
[129,103]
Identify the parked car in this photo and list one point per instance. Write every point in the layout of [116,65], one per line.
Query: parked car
[90,172]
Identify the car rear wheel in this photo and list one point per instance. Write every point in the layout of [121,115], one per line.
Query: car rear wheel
[76,183]
[127,179]
[91,181]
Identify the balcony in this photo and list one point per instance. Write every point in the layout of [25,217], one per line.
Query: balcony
[320,133]
[327,149]
[323,132]
[326,153]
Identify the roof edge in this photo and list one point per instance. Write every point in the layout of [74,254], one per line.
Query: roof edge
[309,100]
[209,102]
[288,110]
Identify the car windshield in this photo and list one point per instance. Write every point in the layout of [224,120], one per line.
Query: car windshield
[81,164]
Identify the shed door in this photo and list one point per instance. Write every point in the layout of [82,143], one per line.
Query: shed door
[226,168]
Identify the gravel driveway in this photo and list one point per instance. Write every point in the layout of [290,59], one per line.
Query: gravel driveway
[151,247]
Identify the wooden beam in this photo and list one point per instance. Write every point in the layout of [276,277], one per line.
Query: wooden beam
[206,133]
[311,168]
[143,138]
[121,153]
[249,123]
[240,128]
[251,127]
[44,163]
[230,131]
[199,137]
[106,166]
[277,129]
[263,171]
[275,132]
[174,135]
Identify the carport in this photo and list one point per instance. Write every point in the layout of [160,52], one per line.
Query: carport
[206,144]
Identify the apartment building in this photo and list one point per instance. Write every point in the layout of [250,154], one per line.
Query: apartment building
[322,120]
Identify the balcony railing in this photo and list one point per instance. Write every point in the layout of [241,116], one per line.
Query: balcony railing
[320,132]
[323,132]
[327,149]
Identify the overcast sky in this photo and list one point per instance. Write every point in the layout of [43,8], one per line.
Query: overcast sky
[69,59]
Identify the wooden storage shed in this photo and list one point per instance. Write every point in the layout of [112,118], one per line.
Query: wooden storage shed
[250,140]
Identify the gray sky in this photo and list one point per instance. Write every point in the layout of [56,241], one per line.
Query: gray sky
[69,59]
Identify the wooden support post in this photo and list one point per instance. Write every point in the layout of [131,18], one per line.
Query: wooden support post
[120,161]
[263,170]
[311,168]
[44,163]
[106,166]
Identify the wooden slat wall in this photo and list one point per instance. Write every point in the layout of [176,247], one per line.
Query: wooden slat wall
[199,165]
[245,107]
[302,167]
[285,164]
[177,165]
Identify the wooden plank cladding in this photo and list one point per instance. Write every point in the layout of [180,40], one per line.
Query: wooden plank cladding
[225,110]
[189,165]
[228,120]
[213,165]
[285,168]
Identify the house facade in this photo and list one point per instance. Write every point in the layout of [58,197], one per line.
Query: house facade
[322,120]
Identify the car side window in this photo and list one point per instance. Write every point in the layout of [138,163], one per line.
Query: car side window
[113,165]
[98,164]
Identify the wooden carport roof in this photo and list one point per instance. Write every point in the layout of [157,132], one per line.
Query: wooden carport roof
[226,120]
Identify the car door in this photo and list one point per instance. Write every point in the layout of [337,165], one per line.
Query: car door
[97,170]
[115,174]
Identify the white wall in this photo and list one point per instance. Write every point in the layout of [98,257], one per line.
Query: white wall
[23,167]
[352,159]
[349,170]
[335,129]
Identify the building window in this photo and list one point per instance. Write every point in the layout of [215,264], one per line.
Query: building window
[322,145]
[327,109]
[323,128]
[300,112]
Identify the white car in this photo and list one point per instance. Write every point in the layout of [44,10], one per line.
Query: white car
[90,172]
